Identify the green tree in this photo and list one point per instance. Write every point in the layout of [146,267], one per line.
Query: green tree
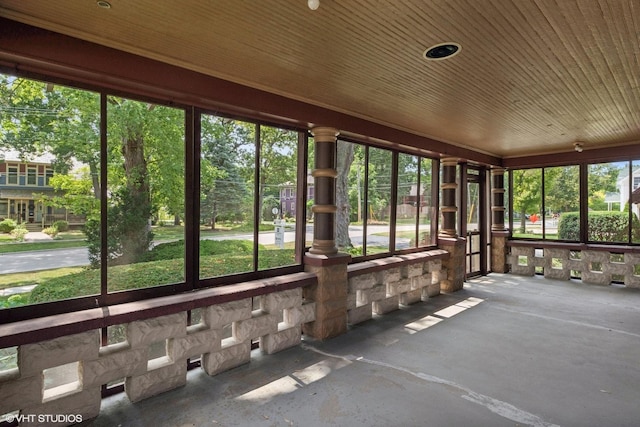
[527,195]
[223,191]
[345,156]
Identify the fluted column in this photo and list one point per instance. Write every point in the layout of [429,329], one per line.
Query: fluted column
[324,175]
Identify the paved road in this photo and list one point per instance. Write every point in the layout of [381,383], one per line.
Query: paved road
[17,262]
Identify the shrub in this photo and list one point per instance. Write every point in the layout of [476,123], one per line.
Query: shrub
[7,225]
[569,226]
[603,226]
[19,232]
[51,231]
[61,225]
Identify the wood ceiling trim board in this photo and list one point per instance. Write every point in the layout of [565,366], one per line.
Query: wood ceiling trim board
[114,69]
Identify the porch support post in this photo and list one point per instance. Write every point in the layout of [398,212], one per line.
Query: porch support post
[448,238]
[324,176]
[499,234]
[323,259]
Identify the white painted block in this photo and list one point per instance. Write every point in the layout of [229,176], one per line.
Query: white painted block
[386,305]
[399,287]
[227,358]
[419,282]
[156,381]
[362,281]
[144,332]
[260,324]
[282,340]
[21,392]
[34,358]
[278,301]
[359,315]
[194,344]
[390,275]
[217,316]
[300,315]
[411,297]
[113,366]
[84,404]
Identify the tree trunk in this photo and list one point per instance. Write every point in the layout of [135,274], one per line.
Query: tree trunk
[95,179]
[136,239]
[343,165]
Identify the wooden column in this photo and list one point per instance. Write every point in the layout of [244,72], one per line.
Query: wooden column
[448,207]
[499,234]
[448,238]
[324,175]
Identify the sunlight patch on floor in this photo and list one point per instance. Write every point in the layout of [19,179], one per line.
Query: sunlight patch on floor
[440,315]
[294,381]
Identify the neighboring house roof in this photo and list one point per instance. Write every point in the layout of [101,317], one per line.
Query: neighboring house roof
[14,156]
[635,196]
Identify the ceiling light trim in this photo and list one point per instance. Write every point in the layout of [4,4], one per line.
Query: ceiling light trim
[442,51]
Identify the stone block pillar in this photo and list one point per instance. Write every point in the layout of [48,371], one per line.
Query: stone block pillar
[499,235]
[329,294]
[448,238]
[454,266]
[323,259]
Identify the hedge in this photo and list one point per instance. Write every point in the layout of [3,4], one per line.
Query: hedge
[603,226]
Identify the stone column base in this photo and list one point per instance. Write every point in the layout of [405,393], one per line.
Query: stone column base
[499,251]
[454,265]
[329,295]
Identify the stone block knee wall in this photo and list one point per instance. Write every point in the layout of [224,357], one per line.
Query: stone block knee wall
[274,320]
[378,289]
[599,267]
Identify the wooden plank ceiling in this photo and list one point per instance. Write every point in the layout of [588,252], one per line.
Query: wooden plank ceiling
[532,77]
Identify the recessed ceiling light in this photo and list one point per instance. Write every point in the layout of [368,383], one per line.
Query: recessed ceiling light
[442,51]
[103,4]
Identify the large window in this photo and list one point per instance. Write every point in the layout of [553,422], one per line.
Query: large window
[145,186]
[547,203]
[561,211]
[145,198]
[609,210]
[121,203]
[527,203]
[366,190]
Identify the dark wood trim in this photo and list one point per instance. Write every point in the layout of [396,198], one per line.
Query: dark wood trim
[599,155]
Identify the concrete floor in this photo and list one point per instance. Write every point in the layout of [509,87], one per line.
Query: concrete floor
[505,351]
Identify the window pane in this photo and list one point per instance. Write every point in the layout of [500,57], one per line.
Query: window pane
[427,213]
[145,188]
[562,203]
[278,171]
[47,127]
[378,200]
[527,203]
[308,239]
[408,196]
[227,176]
[607,221]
